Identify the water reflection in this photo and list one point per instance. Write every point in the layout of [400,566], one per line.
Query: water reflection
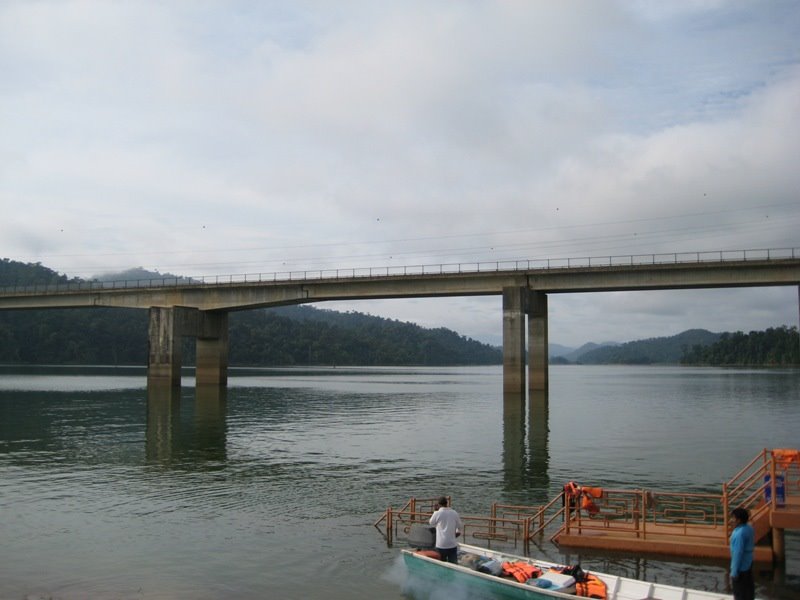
[210,422]
[180,431]
[538,439]
[525,443]
[163,419]
[514,442]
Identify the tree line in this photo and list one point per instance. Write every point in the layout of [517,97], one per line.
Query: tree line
[777,346]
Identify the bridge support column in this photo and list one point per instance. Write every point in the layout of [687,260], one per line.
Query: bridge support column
[538,374]
[515,302]
[212,350]
[165,329]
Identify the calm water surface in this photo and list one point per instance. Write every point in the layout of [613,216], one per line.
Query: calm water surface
[272,490]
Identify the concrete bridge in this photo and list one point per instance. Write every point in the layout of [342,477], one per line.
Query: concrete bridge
[199,307]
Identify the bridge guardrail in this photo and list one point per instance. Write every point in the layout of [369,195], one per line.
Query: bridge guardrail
[716,256]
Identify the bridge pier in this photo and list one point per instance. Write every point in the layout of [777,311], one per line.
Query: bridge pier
[515,303]
[212,350]
[538,354]
[164,356]
[518,303]
[167,325]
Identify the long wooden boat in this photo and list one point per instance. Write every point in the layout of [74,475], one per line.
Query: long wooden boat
[426,572]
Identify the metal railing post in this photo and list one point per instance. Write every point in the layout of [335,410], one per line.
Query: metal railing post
[644,514]
[389,525]
[773,485]
[725,508]
[526,532]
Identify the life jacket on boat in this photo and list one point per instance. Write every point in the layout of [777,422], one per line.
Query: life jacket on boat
[591,587]
[586,584]
[521,571]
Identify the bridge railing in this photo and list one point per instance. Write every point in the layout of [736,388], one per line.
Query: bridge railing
[717,256]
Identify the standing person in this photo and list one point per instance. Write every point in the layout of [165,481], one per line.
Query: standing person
[742,542]
[448,527]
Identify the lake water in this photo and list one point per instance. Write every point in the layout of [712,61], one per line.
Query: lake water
[272,491]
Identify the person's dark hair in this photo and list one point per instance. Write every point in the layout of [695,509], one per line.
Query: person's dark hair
[443,501]
[741,514]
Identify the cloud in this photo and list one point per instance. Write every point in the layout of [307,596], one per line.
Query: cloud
[205,138]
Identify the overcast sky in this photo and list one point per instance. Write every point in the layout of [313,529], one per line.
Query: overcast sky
[216,137]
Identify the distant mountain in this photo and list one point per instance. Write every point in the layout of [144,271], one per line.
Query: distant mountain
[575,355]
[662,350]
[556,350]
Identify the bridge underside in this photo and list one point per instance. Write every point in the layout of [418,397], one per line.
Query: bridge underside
[522,309]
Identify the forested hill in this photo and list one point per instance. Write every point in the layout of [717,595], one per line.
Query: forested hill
[777,346]
[298,335]
[294,335]
[662,350]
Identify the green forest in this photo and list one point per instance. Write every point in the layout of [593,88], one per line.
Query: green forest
[777,346]
[285,336]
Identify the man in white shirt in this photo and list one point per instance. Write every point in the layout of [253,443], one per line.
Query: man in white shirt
[448,527]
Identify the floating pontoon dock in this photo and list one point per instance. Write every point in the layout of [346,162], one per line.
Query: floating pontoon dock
[642,521]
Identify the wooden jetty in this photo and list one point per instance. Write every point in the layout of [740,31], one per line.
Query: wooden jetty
[643,521]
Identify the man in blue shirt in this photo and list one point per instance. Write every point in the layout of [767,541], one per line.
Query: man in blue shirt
[742,542]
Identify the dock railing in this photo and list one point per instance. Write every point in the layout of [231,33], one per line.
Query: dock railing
[766,483]
[503,525]
[643,512]
[539,518]
[769,482]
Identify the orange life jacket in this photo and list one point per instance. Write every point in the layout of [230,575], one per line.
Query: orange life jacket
[521,571]
[594,492]
[589,506]
[591,587]
[786,456]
